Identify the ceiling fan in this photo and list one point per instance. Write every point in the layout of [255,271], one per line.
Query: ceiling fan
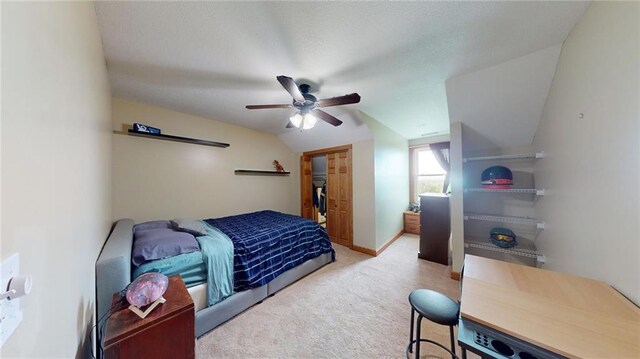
[308,105]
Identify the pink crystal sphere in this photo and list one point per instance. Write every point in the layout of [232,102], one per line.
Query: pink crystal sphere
[147,288]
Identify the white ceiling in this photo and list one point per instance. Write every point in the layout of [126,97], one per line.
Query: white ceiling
[503,103]
[213,58]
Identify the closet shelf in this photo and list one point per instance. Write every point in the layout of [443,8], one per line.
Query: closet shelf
[194,141]
[517,250]
[537,192]
[517,156]
[502,219]
[261,173]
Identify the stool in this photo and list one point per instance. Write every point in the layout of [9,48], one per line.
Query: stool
[436,307]
[453,355]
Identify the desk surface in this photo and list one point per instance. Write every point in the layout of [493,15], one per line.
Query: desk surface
[566,314]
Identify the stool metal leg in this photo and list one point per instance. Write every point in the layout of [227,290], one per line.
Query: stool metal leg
[418,325]
[453,342]
[411,330]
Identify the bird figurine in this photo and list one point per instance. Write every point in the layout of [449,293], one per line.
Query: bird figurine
[278,166]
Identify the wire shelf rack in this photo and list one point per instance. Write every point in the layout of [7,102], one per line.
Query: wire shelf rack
[522,252]
[502,219]
[537,192]
[518,156]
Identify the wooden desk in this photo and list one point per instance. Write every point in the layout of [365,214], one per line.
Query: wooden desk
[167,332]
[565,314]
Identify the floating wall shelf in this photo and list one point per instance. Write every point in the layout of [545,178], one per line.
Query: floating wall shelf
[260,173]
[194,141]
[537,192]
[518,156]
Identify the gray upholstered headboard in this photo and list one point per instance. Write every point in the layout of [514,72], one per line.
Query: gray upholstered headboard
[113,267]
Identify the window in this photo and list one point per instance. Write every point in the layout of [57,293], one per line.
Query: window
[426,173]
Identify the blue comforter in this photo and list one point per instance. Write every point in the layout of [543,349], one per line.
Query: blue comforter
[268,243]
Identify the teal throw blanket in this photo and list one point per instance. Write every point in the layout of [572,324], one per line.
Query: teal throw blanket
[217,254]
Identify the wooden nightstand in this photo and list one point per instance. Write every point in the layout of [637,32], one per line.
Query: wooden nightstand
[167,332]
[412,222]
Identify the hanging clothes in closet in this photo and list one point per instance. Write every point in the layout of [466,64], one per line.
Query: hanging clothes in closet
[314,195]
[322,200]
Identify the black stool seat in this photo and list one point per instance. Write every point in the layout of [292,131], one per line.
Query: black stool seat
[435,306]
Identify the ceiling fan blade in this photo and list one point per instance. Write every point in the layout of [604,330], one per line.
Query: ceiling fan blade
[291,87]
[258,107]
[340,100]
[327,117]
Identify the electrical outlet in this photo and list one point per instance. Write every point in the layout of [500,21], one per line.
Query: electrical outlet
[10,313]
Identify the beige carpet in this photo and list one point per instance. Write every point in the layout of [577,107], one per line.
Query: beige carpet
[356,307]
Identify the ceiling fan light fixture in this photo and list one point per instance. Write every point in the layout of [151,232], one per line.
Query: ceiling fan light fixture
[296,120]
[309,121]
[306,103]
[304,122]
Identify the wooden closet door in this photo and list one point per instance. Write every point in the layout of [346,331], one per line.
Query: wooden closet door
[306,184]
[339,194]
[333,223]
[345,231]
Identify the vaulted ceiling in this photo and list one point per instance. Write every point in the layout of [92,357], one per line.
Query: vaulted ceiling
[213,58]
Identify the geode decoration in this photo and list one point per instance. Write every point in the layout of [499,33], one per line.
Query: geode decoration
[146,289]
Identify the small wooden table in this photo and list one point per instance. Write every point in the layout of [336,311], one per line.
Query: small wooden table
[563,314]
[411,222]
[167,332]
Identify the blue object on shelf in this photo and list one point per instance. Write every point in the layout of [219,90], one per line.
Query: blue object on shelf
[503,237]
[497,177]
[139,127]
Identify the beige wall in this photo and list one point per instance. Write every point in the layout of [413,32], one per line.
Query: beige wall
[391,160]
[56,150]
[364,204]
[591,169]
[457,196]
[154,179]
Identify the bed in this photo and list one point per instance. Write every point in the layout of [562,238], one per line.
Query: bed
[270,251]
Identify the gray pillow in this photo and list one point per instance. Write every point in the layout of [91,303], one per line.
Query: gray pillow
[158,243]
[151,225]
[197,228]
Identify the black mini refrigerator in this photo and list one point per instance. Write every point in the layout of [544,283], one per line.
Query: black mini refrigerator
[435,227]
